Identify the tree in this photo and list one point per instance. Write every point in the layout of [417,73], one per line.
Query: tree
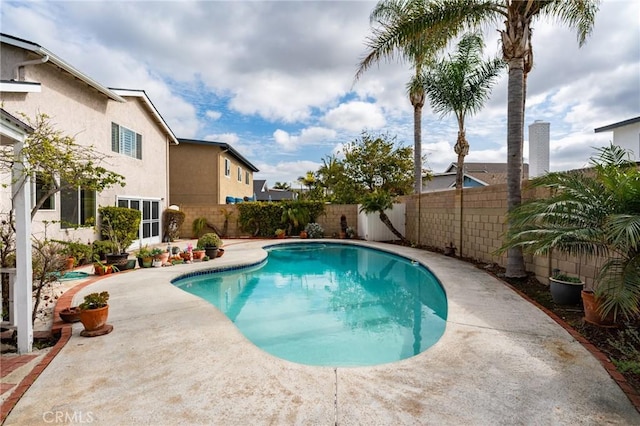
[596,213]
[420,51]
[374,162]
[460,85]
[59,162]
[283,186]
[450,17]
[377,202]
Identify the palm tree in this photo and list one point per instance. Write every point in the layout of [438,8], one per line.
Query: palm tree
[420,51]
[450,17]
[461,85]
[283,186]
[377,202]
[594,214]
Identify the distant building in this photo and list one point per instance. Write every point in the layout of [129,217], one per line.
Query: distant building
[263,193]
[538,148]
[626,134]
[475,174]
[208,172]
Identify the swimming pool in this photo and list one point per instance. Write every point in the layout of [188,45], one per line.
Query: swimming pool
[330,304]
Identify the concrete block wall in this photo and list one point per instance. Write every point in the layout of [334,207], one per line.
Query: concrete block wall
[433,220]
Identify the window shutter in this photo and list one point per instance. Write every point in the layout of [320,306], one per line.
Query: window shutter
[138,146]
[115,139]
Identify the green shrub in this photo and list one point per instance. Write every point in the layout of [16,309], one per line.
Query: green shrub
[209,240]
[83,253]
[198,226]
[119,225]
[314,230]
[100,249]
[95,300]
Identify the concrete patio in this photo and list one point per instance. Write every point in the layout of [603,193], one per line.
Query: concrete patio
[175,359]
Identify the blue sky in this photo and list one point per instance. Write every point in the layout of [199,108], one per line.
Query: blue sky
[275,78]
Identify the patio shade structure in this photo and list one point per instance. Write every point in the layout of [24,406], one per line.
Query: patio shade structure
[14,132]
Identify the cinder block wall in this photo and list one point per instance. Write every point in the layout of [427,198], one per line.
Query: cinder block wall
[475,222]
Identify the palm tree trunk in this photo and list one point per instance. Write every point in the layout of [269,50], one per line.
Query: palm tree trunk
[417,100]
[515,124]
[385,219]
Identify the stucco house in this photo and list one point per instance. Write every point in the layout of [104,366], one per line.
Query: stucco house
[626,134]
[122,124]
[207,173]
[475,174]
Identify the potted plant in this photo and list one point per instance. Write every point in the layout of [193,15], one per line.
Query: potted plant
[210,243]
[314,230]
[351,232]
[343,226]
[565,289]
[280,233]
[595,214]
[120,226]
[70,315]
[100,268]
[94,312]
[144,256]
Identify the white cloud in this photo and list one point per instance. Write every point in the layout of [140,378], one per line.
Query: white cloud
[230,138]
[355,116]
[214,115]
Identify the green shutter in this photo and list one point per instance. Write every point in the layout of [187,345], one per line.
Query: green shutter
[138,146]
[115,137]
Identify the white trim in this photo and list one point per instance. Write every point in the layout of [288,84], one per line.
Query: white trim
[142,95]
[20,87]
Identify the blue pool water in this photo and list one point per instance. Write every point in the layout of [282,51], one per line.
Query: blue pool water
[330,304]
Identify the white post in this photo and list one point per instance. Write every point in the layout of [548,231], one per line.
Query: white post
[23,285]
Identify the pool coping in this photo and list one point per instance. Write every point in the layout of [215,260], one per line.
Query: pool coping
[65,331]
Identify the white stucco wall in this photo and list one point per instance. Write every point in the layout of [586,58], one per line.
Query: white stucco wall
[86,114]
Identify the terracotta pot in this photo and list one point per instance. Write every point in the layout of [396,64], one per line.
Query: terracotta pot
[198,254]
[220,252]
[71,261]
[102,270]
[93,319]
[592,310]
[303,234]
[70,314]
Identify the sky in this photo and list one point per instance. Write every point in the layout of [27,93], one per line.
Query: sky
[275,79]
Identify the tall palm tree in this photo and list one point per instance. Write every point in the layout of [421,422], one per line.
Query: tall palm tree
[594,214]
[450,17]
[461,85]
[420,51]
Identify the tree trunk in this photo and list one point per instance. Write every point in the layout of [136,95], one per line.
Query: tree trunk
[462,149]
[417,100]
[385,219]
[515,125]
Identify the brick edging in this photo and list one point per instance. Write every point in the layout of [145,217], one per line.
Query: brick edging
[630,392]
[58,327]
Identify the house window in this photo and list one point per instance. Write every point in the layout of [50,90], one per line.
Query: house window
[126,141]
[246,177]
[239,174]
[77,207]
[227,167]
[42,187]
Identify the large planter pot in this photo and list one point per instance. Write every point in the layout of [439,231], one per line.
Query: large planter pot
[212,252]
[145,262]
[198,254]
[94,319]
[592,310]
[565,292]
[127,264]
[71,261]
[114,258]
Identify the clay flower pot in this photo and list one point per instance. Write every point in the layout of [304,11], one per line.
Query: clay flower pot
[198,254]
[70,315]
[94,319]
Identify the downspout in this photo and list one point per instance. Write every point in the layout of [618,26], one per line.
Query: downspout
[16,68]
